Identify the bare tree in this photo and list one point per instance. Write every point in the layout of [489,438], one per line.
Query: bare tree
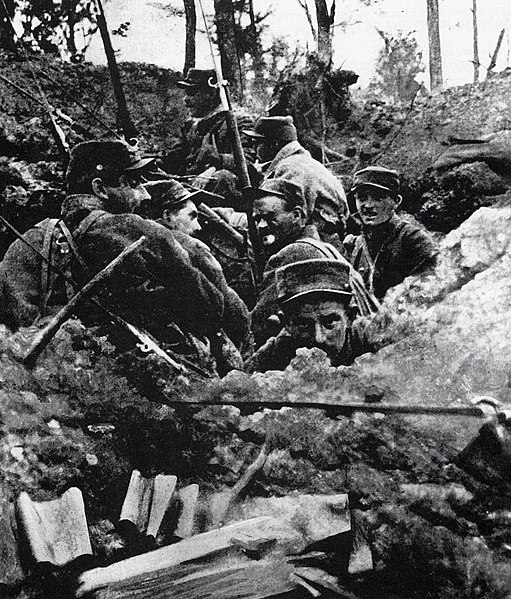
[435,52]
[6,30]
[321,27]
[191,27]
[226,37]
[475,61]
[493,61]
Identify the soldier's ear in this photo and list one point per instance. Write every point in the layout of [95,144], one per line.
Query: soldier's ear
[299,213]
[397,201]
[98,188]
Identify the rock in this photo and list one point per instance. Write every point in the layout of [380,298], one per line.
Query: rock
[452,196]
[11,573]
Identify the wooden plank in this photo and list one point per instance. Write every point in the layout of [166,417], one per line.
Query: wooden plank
[242,580]
[318,517]
[187,497]
[56,530]
[200,546]
[145,504]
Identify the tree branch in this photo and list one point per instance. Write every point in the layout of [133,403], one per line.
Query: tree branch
[304,5]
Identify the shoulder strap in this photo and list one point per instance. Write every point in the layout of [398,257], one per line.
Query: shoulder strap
[46,284]
[82,228]
[87,222]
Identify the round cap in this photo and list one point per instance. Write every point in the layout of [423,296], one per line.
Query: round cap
[198,79]
[306,277]
[274,128]
[377,176]
[282,188]
[91,158]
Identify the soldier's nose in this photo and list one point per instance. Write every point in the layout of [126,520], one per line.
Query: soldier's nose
[319,334]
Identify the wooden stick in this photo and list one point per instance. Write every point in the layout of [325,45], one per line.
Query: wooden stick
[43,337]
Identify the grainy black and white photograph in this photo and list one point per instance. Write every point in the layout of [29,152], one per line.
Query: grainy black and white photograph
[255,299]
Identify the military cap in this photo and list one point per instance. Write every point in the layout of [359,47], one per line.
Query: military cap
[377,176]
[198,79]
[306,277]
[274,128]
[171,194]
[90,159]
[282,188]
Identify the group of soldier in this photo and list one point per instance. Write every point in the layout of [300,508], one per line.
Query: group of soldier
[230,278]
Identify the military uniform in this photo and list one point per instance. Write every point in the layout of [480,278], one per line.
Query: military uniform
[311,280]
[29,288]
[157,285]
[322,190]
[388,253]
[308,246]
[192,154]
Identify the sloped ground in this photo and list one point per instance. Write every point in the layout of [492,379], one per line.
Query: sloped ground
[30,170]
[434,530]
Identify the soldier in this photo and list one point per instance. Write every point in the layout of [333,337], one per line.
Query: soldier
[282,220]
[314,297]
[389,249]
[180,214]
[221,229]
[205,142]
[283,157]
[157,288]
[179,209]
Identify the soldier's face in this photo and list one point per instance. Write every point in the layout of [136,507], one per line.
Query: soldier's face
[200,102]
[185,220]
[127,196]
[375,206]
[276,225]
[266,150]
[318,322]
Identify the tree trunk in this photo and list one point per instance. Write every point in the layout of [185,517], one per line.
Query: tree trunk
[493,61]
[476,41]
[6,31]
[191,26]
[435,53]
[325,20]
[226,36]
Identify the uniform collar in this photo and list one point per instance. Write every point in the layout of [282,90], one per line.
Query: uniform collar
[293,147]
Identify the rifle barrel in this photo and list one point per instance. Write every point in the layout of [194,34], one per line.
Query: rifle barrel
[346,407]
[44,336]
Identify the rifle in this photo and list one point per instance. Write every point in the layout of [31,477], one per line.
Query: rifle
[45,335]
[237,150]
[146,341]
[55,112]
[335,407]
[123,115]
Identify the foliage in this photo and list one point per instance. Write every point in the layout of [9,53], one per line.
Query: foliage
[62,27]
[398,65]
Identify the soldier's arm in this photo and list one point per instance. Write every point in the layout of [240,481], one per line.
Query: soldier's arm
[421,251]
[20,276]
[193,300]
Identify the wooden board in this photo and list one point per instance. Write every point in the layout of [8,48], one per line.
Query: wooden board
[210,543]
[241,580]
